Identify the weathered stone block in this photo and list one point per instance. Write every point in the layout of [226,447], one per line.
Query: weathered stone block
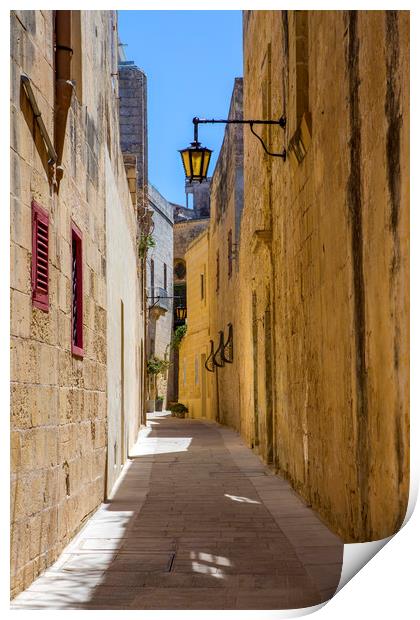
[20,266]
[20,224]
[19,407]
[19,507]
[24,361]
[48,361]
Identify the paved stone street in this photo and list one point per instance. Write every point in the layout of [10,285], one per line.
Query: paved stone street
[197,522]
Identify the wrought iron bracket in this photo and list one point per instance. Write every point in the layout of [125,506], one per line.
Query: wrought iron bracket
[227,350]
[209,363]
[159,297]
[219,351]
[281,122]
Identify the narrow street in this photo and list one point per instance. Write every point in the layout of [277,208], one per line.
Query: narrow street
[196,522]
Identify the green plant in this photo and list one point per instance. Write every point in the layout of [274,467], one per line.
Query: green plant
[156,366]
[146,242]
[177,408]
[179,334]
[159,398]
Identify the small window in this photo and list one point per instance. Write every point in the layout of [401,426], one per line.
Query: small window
[201,286]
[196,376]
[77,292]
[165,277]
[180,269]
[39,257]
[152,278]
[230,254]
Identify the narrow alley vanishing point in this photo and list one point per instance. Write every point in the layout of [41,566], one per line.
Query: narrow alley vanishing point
[271,310]
[198,522]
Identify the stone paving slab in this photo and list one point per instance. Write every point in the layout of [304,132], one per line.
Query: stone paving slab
[196,521]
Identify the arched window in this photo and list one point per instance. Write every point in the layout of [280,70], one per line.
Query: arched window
[180,269]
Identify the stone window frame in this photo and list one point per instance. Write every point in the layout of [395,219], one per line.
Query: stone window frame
[76,291]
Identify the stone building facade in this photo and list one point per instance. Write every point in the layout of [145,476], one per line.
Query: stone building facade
[68,182]
[195,382]
[159,285]
[132,82]
[224,238]
[324,289]
[189,222]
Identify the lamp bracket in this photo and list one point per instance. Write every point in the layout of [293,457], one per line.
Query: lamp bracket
[281,122]
[158,297]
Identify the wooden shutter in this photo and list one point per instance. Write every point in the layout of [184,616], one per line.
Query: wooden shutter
[40,221]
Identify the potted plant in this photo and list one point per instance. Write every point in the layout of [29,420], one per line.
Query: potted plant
[159,403]
[155,367]
[178,410]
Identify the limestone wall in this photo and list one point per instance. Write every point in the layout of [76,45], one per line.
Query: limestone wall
[326,284]
[160,323]
[195,383]
[224,280]
[185,233]
[58,400]
[124,327]
[132,83]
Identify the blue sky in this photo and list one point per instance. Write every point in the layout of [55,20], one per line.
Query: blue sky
[191,59]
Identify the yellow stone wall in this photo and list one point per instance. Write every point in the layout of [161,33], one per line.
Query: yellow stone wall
[195,383]
[324,261]
[58,401]
[226,205]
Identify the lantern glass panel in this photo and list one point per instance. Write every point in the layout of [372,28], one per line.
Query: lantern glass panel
[206,161]
[181,313]
[185,154]
[196,159]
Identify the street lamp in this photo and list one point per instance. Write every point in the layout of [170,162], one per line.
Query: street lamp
[181,313]
[196,158]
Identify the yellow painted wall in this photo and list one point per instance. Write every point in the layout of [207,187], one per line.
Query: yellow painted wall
[195,383]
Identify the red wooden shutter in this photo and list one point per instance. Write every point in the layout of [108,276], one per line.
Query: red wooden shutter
[77,292]
[40,222]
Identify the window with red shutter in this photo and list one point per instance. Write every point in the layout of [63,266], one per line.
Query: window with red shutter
[76,292]
[39,278]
